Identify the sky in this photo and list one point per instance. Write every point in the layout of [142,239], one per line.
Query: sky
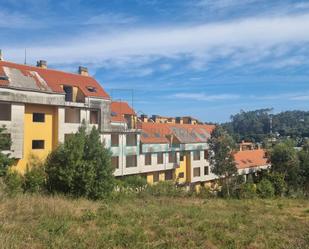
[205,58]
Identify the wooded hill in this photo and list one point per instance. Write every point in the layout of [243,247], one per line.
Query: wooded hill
[256,125]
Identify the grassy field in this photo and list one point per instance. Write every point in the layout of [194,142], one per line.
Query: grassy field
[56,222]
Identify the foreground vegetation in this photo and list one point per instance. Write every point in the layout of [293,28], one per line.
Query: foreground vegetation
[34,221]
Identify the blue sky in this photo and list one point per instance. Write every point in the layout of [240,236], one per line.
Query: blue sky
[204,58]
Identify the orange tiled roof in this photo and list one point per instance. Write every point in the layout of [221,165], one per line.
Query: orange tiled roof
[119,109]
[250,158]
[51,80]
[185,133]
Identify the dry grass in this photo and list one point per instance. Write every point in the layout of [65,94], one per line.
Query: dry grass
[57,222]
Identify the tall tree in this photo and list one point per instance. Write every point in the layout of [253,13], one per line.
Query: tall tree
[284,160]
[222,160]
[81,166]
[5,144]
[304,167]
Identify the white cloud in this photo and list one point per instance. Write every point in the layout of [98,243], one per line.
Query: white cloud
[203,97]
[16,20]
[241,39]
[110,18]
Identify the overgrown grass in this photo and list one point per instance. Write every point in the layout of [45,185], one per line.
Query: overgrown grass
[33,221]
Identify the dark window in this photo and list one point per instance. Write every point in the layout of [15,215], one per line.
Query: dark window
[206,154]
[72,115]
[94,117]
[160,158]
[68,93]
[182,157]
[131,161]
[172,157]
[131,140]
[196,155]
[5,137]
[38,117]
[115,162]
[148,159]
[206,170]
[196,172]
[181,175]
[168,175]
[156,177]
[91,89]
[115,140]
[38,144]
[5,112]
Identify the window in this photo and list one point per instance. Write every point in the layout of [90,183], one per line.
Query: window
[160,158]
[148,159]
[94,117]
[169,175]
[196,155]
[5,113]
[206,170]
[91,89]
[131,161]
[38,117]
[115,162]
[131,140]
[181,175]
[72,115]
[38,144]
[115,140]
[206,154]
[5,137]
[172,157]
[156,177]
[68,93]
[196,172]
[182,156]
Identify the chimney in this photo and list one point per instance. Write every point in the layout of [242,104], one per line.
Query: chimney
[83,71]
[144,118]
[41,64]
[1,57]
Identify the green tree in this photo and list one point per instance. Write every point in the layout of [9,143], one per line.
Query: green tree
[5,144]
[284,160]
[222,160]
[304,167]
[81,166]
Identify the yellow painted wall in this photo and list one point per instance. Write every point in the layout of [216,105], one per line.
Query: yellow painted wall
[183,168]
[47,131]
[150,177]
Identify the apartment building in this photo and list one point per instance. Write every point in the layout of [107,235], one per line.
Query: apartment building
[41,107]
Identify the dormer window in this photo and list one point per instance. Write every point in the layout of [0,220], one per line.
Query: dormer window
[91,89]
[68,93]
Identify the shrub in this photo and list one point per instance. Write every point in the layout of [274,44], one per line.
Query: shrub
[166,188]
[278,183]
[13,183]
[246,191]
[265,189]
[81,167]
[135,182]
[34,177]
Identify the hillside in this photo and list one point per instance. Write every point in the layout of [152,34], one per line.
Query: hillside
[56,222]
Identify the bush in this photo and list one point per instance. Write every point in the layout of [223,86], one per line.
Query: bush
[246,191]
[34,177]
[166,188]
[13,183]
[265,189]
[135,182]
[278,183]
[81,167]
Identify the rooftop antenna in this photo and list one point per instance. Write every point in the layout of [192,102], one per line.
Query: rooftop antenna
[25,56]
